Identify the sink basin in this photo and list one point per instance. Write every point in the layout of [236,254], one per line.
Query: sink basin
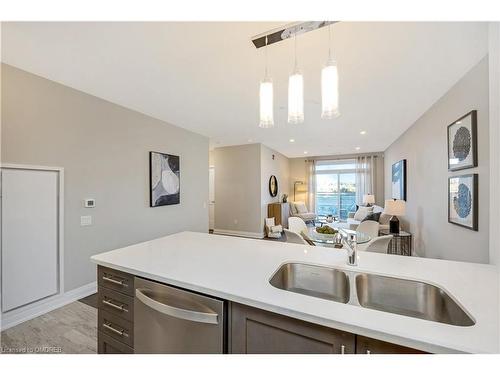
[411,298]
[316,281]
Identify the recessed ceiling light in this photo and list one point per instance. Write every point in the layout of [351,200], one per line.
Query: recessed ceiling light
[305,152]
[292,140]
[357,148]
[362,132]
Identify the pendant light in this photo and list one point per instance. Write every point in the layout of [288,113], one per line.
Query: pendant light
[330,86]
[295,93]
[266,98]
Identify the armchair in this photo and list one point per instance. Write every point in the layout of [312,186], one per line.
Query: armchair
[272,230]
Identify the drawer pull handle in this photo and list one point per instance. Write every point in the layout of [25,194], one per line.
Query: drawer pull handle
[111,280]
[342,349]
[120,332]
[114,305]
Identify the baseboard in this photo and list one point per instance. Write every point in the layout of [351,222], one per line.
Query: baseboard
[25,313]
[238,233]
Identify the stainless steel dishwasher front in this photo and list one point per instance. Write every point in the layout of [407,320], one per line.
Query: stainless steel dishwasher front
[172,320]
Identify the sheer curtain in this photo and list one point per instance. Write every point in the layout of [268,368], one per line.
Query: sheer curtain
[311,185]
[365,177]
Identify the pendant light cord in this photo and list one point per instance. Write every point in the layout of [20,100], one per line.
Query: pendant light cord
[265,59]
[295,50]
[329,42]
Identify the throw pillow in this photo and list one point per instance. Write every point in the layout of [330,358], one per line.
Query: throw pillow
[301,207]
[362,212]
[375,216]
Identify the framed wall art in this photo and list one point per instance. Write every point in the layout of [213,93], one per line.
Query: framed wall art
[462,142]
[164,179]
[273,186]
[398,177]
[463,201]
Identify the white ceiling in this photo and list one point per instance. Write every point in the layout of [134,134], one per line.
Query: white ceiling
[204,76]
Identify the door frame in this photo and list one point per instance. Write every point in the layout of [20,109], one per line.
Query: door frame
[211,202]
[60,220]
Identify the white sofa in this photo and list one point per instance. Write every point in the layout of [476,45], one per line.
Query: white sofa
[299,209]
[352,223]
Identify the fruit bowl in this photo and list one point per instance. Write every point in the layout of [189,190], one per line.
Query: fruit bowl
[325,233]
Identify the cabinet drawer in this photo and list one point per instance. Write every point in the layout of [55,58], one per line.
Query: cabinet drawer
[367,345]
[108,345]
[116,327]
[116,280]
[116,303]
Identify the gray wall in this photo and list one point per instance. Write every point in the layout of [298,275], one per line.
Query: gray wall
[104,150]
[237,188]
[424,145]
[242,186]
[279,167]
[494,93]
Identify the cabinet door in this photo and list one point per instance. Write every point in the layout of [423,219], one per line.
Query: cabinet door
[255,331]
[108,345]
[367,345]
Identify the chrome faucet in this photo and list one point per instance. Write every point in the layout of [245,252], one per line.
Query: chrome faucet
[352,248]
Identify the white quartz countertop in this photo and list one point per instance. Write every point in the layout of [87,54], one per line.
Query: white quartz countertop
[239,269]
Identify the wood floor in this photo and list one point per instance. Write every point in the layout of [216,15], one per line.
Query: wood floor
[71,329]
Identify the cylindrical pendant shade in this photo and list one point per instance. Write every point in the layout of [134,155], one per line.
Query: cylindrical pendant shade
[330,91]
[296,98]
[266,103]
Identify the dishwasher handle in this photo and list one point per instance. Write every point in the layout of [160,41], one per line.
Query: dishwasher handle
[176,312]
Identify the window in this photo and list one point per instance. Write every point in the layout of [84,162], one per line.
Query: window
[335,187]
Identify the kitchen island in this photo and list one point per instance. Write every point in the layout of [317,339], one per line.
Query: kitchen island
[238,270]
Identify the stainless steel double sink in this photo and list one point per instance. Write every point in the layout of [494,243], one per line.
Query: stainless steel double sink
[389,294]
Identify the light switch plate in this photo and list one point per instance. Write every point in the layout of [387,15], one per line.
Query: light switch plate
[89,203]
[85,220]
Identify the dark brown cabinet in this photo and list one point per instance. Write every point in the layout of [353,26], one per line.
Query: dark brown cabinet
[249,330]
[115,314]
[108,345]
[255,331]
[367,345]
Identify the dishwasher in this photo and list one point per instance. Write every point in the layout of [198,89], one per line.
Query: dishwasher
[170,320]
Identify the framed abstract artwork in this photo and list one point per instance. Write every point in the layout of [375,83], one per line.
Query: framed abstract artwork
[164,179]
[462,142]
[398,177]
[463,201]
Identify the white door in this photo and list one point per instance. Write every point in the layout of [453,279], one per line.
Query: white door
[30,251]
[211,197]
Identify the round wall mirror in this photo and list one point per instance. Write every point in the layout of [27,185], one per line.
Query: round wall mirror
[273,186]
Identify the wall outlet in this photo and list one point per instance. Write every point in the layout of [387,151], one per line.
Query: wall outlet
[236,221]
[85,220]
